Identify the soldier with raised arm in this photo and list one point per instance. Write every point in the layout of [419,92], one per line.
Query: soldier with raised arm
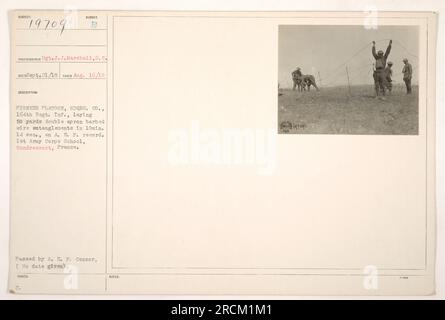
[380,65]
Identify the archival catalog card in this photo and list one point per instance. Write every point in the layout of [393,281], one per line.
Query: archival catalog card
[254,153]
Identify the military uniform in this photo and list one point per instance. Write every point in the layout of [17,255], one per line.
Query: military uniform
[388,72]
[310,81]
[407,75]
[380,81]
[296,77]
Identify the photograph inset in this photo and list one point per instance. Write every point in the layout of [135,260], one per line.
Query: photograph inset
[348,80]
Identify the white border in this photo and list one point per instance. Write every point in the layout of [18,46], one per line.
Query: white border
[227,5]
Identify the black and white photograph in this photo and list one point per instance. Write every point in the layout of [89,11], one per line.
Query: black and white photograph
[222,151]
[348,80]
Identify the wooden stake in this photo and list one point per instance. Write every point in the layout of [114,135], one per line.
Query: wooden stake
[349,85]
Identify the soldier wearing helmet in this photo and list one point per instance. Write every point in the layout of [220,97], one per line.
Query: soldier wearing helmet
[297,78]
[407,75]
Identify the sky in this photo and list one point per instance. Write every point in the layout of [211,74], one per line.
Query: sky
[325,51]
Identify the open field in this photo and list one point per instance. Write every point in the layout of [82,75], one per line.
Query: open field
[333,110]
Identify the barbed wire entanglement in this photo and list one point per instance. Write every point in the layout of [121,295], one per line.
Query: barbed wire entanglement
[355,68]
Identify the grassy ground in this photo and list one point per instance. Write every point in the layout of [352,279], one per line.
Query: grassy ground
[333,110]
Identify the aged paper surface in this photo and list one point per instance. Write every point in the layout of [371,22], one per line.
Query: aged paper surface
[183,152]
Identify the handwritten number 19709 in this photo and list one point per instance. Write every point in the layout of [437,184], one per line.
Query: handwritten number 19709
[45,24]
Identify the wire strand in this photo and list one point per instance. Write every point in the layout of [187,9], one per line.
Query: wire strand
[334,73]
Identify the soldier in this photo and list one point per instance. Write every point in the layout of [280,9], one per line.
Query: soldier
[388,72]
[380,65]
[309,80]
[296,78]
[407,75]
